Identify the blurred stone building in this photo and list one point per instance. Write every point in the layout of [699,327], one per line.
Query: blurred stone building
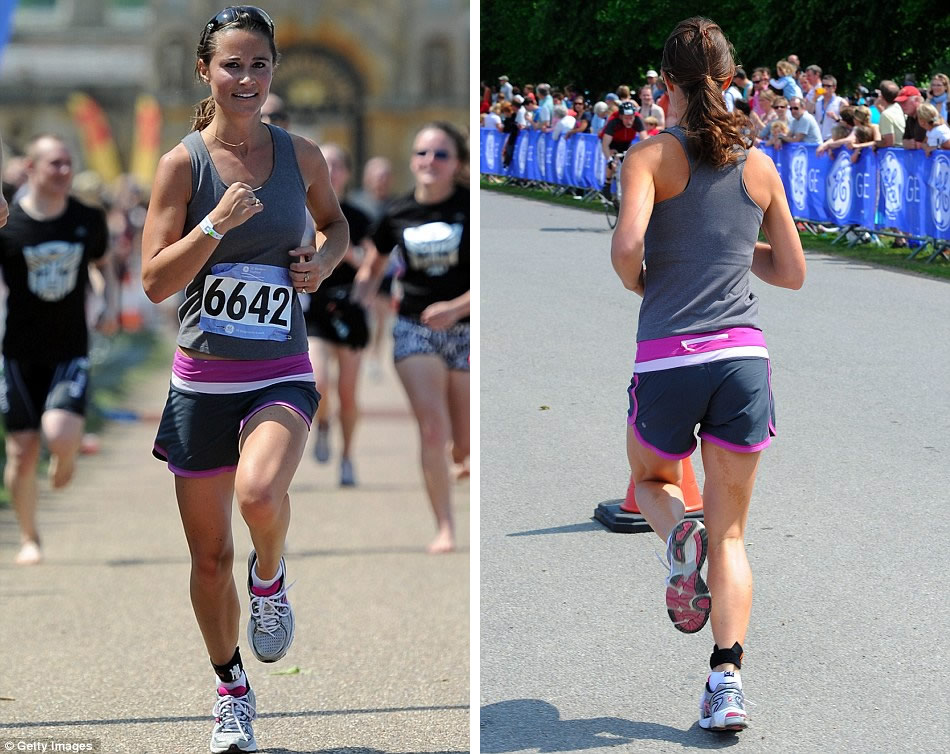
[362,73]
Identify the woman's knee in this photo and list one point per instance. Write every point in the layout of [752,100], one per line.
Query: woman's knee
[259,503]
[23,452]
[212,562]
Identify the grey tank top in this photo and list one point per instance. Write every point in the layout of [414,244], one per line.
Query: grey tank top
[241,304]
[698,250]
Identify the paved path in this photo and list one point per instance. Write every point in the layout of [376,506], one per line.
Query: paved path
[847,535]
[100,642]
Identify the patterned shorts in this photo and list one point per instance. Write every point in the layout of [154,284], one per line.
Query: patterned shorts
[411,337]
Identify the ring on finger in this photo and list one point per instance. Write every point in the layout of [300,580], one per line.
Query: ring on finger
[306,277]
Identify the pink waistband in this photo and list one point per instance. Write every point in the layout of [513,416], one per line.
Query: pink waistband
[226,370]
[694,343]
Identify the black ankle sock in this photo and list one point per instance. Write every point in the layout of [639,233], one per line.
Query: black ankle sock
[232,669]
[733,655]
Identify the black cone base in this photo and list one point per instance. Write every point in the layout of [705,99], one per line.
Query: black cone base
[615,519]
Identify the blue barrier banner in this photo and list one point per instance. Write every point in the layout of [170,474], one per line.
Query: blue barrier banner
[890,188]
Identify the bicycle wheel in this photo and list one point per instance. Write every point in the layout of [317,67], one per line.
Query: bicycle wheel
[611,209]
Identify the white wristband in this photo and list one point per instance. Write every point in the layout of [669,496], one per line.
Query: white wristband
[207,227]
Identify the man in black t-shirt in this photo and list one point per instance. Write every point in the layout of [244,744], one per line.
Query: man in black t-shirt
[45,249]
[617,137]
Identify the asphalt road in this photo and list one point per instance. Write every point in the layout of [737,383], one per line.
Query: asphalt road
[100,642]
[847,536]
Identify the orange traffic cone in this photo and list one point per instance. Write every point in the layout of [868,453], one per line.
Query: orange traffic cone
[625,516]
[691,494]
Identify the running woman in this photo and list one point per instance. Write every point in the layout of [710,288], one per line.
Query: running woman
[431,336]
[45,251]
[339,326]
[227,213]
[693,202]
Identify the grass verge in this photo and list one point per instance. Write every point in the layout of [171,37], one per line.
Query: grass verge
[884,256]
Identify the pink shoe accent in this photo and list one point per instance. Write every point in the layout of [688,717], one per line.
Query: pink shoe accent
[238,691]
[269,591]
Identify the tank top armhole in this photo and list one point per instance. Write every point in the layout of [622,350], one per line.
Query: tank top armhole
[192,148]
[284,145]
[677,133]
[740,167]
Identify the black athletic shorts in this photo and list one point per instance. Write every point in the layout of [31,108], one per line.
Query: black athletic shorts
[332,316]
[29,388]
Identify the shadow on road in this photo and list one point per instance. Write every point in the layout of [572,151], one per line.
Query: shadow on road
[576,230]
[535,724]
[350,750]
[204,718]
[566,529]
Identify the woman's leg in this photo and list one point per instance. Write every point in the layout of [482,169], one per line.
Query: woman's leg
[426,379]
[62,431]
[19,476]
[730,477]
[205,507]
[349,360]
[460,413]
[320,360]
[657,483]
[272,445]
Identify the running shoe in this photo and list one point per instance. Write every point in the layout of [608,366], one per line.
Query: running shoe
[724,708]
[233,714]
[270,629]
[347,476]
[687,597]
[321,449]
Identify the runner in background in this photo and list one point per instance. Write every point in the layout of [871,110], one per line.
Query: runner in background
[430,229]
[49,241]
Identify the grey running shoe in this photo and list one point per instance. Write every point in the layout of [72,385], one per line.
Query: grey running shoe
[687,597]
[347,477]
[321,449]
[233,714]
[724,708]
[270,629]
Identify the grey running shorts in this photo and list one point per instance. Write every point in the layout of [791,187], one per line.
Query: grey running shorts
[209,402]
[730,400]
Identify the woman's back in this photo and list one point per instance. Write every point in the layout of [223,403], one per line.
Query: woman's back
[698,248]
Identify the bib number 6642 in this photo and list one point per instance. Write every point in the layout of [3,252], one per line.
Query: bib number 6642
[239,301]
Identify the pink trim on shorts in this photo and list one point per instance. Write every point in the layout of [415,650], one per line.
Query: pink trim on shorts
[292,407]
[737,448]
[686,345]
[185,472]
[632,421]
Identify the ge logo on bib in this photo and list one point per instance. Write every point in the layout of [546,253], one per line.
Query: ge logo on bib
[940,191]
[838,186]
[892,184]
[799,171]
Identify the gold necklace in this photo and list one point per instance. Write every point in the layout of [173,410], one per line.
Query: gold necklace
[229,144]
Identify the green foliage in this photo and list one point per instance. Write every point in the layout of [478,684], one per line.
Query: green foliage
[599,44]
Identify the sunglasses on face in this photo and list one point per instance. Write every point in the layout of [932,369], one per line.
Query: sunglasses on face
[438,154]
[233,13]
[794,109]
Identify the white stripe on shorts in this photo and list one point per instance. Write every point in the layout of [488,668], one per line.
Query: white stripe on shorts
[226,388]
[706,357]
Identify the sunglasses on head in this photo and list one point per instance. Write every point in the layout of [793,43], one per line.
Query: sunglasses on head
[233,13]
[438,154]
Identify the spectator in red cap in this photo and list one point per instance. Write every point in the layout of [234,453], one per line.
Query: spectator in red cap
[915,135]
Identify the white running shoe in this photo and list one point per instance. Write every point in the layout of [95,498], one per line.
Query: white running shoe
[233,714]
[270,629]
[724,708]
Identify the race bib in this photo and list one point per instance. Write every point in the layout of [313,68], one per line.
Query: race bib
[250,301]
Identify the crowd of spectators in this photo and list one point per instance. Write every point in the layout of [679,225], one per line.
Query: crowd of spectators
[793,104]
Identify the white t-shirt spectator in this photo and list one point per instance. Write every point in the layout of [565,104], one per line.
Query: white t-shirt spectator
[492,120]
[825,121]
[564,125]
[938,135]
[521,117]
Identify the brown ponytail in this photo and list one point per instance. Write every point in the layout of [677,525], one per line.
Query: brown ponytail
[699,59]
[204,112]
